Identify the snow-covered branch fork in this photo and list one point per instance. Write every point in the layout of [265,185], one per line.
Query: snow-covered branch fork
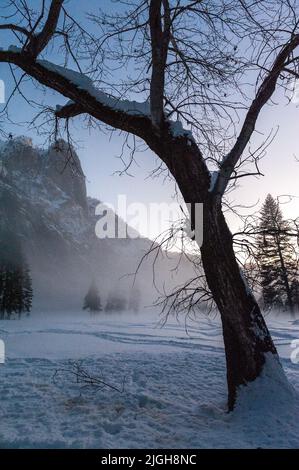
[186,73]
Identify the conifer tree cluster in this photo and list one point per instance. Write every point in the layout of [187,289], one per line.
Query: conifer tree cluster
[15,281]
[116,302]
[277,258]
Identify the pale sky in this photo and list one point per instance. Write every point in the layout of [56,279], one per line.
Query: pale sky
[98,154]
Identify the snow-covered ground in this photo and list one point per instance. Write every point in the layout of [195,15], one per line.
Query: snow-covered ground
[174,394]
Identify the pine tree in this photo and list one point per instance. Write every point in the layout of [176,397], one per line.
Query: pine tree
[15,281]
[92,300]
[134,300]
[275,254]
[27,292]
[115,303]
[295,292]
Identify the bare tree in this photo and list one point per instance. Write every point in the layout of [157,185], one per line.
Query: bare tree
[212,65]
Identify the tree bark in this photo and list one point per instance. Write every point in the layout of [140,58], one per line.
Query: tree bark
[246,336]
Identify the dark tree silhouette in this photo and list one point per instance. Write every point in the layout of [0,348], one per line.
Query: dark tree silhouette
[295,292]
[92,300]
[15,281]
[276,256]
[115,303]
[134,299]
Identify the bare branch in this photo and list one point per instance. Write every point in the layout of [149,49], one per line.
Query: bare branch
[69,110]
[264,94]
[17,28]
[89,100]
[85,379]
[159,43]
[39,41]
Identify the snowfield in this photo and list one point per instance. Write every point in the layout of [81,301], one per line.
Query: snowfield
[174,386]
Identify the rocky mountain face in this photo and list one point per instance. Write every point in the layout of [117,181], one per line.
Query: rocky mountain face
[43,199]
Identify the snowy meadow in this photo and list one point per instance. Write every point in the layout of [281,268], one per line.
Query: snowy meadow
[169,385]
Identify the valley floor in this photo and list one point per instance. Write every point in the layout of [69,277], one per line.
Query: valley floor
[174,386]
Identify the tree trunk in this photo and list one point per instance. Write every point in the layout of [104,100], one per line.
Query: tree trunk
[285,278]
[246,336]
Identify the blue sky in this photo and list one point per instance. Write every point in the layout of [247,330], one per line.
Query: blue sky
[98,151]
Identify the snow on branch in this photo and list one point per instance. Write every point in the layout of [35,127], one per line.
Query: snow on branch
[129,116]
[86,84]
[177,130]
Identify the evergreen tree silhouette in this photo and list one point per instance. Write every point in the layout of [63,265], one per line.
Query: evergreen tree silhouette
[295,292]
[15,281]
[134,300]
[275,253]
[115,303]
[92,300]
